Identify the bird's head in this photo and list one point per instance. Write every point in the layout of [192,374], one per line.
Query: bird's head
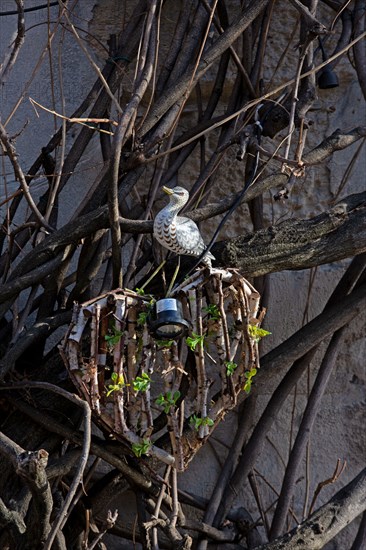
[177,195]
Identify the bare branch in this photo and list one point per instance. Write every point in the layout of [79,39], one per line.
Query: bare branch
[11,152]
[315,27]
[12,520]
[83,458]
[18,42]
[327,521]
[31,467]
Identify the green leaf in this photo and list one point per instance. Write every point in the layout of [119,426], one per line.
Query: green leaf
[213,311]
[118,383]
[112,388]
[176,396]
[140,449]
[249,375]
[196,422]
[164,343]
[141,383]
[247,386]
[194,340]
[160,400]
[142,318]
[113,337]
[230,367]
[140,291]
[168,400]
[257,333]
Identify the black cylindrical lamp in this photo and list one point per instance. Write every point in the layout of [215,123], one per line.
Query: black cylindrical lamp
[168,320]
[326,77]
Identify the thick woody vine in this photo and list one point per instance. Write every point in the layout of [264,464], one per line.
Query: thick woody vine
[157,402]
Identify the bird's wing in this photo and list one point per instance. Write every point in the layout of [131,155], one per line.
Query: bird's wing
[189,236]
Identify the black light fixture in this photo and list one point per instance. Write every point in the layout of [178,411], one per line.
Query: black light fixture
[327,78]
[168,321]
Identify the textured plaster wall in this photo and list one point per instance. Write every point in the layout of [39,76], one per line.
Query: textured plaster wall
[339,430]
[36,128]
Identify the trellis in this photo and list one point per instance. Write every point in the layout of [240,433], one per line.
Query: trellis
[164,398]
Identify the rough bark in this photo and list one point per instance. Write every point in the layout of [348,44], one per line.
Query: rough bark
[299,244]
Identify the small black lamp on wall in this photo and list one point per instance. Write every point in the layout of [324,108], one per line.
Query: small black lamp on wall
[168,321]
[327,78]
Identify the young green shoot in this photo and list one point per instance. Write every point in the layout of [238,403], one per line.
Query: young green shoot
[212,311]
[142,448]
[140,291]
[230,367]
[164,343]
[141,383]
[249,375]
[113,337]
[257,333]
[118,383]
[196,422]
[195,340]
[168,400]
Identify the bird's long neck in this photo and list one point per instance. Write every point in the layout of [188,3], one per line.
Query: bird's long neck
[172,209]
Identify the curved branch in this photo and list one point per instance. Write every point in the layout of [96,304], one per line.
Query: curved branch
[82,462]
[41,329]
[11,152]
[18,42]
[359,48]
[327,521]
[31,467]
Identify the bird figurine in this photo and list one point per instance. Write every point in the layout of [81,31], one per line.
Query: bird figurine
[178,233]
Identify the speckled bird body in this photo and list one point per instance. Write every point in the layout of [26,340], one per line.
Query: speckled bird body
[178,233]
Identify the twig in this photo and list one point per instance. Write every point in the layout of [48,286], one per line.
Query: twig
[98,449]
[12,154]
[37,66]
[255,489]
[315,27]
[330,322]
[18,42]
[202,382]
[109,524]
[82,121]
[256,102]
[94,65]
[339,469]
[39,330]
[174,489]
[294,103]
[156,512]
[245,420]
[12,520]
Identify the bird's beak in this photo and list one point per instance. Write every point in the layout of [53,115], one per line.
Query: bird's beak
[167,190]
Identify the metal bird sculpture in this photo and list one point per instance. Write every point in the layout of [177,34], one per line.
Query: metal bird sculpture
[178,233]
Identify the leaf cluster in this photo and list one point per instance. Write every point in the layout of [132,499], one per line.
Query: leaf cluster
[118,383]
[168,400]
[196,422]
